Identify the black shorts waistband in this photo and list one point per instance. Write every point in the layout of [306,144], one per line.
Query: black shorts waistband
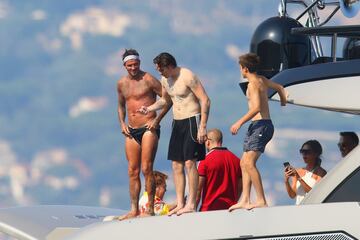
[187,119]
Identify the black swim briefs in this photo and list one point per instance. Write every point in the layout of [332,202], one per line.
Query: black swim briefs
[137,133]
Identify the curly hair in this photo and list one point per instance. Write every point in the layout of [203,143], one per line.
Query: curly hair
[160,178]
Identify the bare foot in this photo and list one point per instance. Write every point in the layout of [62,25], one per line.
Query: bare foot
[129,215]
[174,211]
[257,205]
[147,214]
[185,210]
[240,205]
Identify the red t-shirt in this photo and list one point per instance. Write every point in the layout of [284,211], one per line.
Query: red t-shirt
[221,169]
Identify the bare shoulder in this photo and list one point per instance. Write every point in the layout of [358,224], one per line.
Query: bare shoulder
[150,78]
[264,80]
[122,81]
[189,77]
[186,72]
[269,83]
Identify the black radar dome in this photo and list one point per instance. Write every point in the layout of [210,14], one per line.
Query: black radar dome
[277,48]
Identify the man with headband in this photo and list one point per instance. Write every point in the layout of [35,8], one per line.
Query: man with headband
[141,132]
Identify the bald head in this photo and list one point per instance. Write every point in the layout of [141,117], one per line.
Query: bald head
[214,138]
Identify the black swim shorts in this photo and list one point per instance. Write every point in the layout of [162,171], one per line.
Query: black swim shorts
[183,141]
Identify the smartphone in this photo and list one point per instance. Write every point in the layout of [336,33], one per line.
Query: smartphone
[286,164]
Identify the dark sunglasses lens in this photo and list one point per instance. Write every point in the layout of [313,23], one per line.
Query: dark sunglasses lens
[341,145]
[305,151]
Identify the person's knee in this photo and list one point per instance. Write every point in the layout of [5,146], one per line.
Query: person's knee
[178,168]
[247,165]
[189,165]
[147,170]
[133,172]
[250,167]
[243,164]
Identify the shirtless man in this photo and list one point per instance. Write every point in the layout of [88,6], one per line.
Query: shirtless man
[259,132]
[182,88]
[142,131]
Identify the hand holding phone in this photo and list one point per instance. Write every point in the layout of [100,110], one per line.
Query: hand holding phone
[286,164]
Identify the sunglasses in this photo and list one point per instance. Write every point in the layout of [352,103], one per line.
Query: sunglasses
[305,151]
[342,145]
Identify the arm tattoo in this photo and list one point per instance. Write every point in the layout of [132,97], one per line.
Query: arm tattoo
[193,82]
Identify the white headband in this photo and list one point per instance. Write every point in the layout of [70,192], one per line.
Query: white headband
[131,57]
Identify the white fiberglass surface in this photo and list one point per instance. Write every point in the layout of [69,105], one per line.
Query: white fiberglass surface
[335,93]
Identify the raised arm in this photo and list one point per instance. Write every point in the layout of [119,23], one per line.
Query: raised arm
[279,89]
[290,188]
[199,91]
[164,103]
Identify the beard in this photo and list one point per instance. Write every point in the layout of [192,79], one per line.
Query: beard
[134,73]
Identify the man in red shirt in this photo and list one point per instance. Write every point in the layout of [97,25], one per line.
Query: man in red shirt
[219,175]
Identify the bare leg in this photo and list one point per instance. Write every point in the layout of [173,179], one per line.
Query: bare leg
[256,179]
[249,164]
[179,181]
[148,151]
[132,149]
[244,201]
[190,166]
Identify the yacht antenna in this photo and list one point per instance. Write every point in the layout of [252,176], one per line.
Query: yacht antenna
[348,7]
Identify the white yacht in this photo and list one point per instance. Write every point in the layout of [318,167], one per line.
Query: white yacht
[292,55]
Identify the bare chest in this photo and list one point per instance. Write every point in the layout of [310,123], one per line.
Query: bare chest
[177,88]
[135,89]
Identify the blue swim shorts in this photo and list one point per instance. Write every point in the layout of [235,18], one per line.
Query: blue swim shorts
[258,135]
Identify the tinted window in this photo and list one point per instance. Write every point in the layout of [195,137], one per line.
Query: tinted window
[348,190]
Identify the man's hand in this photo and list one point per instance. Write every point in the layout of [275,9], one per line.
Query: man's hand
[152,124]
[125,130]
[235,128]
[143,110]
[283,103]
[201,136]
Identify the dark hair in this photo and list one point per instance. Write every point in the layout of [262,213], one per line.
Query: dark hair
[129,52]
[352,135]
[165,60]
[251,61]
[316,148]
